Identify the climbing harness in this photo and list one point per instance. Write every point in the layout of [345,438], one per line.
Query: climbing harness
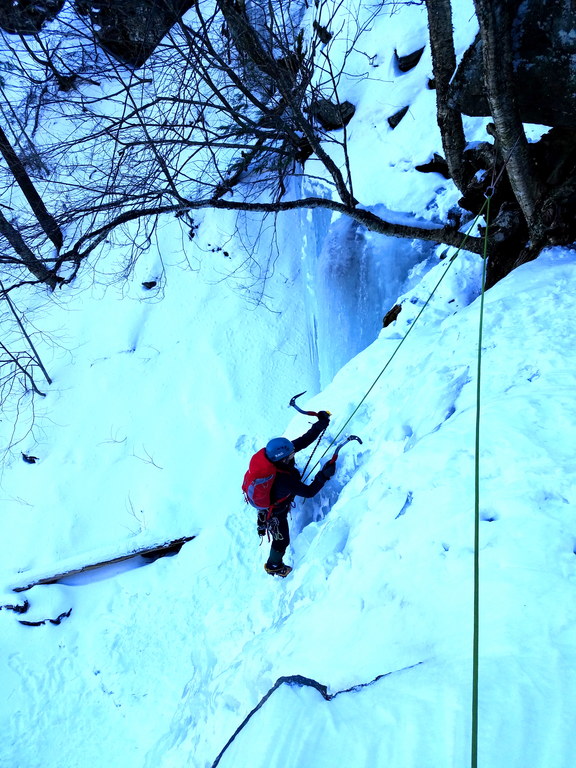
[273,529]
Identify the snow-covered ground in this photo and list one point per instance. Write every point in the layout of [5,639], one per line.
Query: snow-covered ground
[160,398]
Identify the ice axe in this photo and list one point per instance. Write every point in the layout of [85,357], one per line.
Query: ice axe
[306,413]
[339,448]
[293,404]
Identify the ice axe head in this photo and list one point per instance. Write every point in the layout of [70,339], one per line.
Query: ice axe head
[293,404]
[342,444]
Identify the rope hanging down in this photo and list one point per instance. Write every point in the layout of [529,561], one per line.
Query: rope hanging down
[476,567]
[476,635]
[403,339]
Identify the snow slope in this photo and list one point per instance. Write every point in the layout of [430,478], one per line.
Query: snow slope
[402,531]
[159,399]
[160,664]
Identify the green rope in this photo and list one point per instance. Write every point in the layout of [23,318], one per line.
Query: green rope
[402,340]
[476,636]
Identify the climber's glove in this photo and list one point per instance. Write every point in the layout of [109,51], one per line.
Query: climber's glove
[328,470]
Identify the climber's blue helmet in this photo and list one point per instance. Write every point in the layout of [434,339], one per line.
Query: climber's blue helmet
[279,448]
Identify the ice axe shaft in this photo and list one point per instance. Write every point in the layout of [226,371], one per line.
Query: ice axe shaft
[342,444]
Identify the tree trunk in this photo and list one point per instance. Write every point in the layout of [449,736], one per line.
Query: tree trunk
[495,19]
[46,221]
[25,255]
[444,67]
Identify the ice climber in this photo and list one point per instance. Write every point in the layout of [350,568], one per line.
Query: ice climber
[286,486]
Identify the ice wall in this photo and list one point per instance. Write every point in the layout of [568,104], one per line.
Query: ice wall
[354,278]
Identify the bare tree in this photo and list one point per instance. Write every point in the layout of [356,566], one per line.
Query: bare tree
[532,206]
[225,115]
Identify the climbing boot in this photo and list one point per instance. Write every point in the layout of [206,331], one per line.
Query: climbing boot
[277,569]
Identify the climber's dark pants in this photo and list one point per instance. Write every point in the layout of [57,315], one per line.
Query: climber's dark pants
[282,531]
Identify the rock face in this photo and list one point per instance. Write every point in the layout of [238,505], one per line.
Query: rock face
[24,17]
[408,62]
[128,29]
[395,119]
[131,29]
[332,116]
[544,41]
